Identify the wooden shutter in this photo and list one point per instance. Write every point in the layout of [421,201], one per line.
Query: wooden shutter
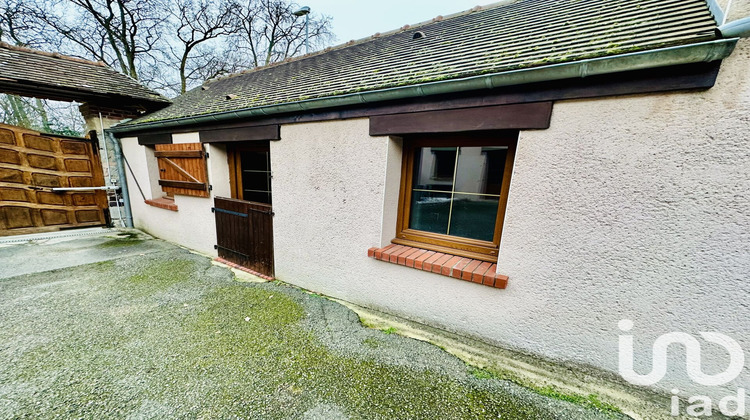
[182,169]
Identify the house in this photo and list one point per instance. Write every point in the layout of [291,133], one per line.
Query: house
[529,173]
[31,163]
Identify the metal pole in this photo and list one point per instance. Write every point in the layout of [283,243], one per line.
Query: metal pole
[307,34]
[108,180]
[107,188]
[123,177]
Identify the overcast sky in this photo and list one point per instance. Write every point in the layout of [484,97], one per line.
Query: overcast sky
[355,19]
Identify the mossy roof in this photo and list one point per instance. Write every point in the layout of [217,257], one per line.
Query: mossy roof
[71,78]
[492,39]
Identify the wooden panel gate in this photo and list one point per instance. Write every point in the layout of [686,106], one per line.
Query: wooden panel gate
[244,233]
[31,165]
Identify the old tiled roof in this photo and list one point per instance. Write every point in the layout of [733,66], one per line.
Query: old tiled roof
[485,40]
[25,68]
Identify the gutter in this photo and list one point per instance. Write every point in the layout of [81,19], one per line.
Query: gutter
[662,57]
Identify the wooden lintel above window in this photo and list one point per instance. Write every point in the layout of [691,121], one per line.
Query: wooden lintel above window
[535,115]
[263,132]
[152,139]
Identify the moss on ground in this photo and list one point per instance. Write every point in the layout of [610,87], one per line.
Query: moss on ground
[170,335]
[123,239]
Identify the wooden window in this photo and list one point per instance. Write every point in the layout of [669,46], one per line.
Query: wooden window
[454,191]
[250,171]
[182,169]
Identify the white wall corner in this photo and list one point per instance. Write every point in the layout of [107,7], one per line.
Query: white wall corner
[508,205]
[143,171]
[391,189]
[218,170]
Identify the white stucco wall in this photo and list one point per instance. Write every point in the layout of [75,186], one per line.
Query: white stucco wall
[629,207]
[626,207]
[193,225]
[634,207]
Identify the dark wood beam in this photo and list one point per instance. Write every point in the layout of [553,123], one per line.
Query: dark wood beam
[535,115]
[151,139]
[684,77]
[263,132]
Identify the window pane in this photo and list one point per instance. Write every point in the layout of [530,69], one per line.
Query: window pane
[430,211]
[474,216]
[258,197]
[257,161]
[434,168]
[480,170]
[255,181]
[256,176]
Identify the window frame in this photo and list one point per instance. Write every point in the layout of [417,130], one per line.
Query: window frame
[235,165]
[455,245]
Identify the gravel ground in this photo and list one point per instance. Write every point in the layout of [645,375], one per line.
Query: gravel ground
[167,334]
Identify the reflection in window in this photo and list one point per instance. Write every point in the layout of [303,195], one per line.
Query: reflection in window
[463,203]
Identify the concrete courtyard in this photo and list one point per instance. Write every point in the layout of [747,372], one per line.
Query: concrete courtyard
[119,325]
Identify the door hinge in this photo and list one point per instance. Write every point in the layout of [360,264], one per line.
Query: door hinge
[206,154]
[210,187]
[213,209]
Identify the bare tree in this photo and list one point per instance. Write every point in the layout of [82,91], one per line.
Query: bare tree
[18,28]
[168,45]
[269,31]
[197,22]
[116,32]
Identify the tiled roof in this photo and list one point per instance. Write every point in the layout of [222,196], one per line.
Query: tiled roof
[485,40]
[26,67]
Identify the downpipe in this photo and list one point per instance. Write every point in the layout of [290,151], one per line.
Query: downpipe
[117,148]
[736,29]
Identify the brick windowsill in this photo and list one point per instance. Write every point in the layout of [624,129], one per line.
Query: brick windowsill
[475,271]
[162,203]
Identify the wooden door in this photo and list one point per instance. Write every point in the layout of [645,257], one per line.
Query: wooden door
[244,233]
[244,223]
[31,165]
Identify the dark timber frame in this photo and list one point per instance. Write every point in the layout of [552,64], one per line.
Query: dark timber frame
[674,78]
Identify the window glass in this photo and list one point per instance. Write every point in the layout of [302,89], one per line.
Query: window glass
[474,216]
[469,180]
[434,168]
[256,176]
[430,211]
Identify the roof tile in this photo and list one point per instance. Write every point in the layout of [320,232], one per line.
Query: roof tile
[55,70]
[488,40]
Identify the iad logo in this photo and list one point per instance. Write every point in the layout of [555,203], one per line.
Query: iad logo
[700,405]
[692,353]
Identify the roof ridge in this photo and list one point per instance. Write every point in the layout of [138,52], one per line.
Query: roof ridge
[50,54]
[364,40]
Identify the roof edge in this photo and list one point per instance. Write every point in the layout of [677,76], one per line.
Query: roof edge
[22,48]
[661,57]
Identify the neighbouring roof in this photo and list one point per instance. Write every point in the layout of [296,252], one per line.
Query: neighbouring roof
[36,73]
[492,39]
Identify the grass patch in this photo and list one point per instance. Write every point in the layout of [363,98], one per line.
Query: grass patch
[389,330]
[158,276]
[590,401]
[481,373]
[118,243]
[371,343]
[123,239]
